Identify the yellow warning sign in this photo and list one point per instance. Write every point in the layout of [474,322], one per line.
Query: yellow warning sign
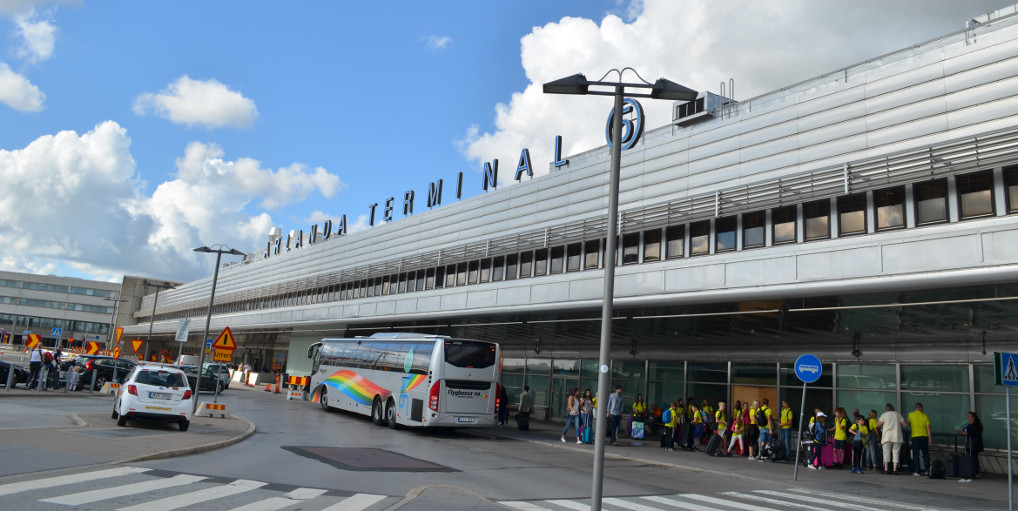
[222,355]
[225,341]
[120,331]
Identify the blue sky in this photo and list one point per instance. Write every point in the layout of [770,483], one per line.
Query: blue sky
[131,132]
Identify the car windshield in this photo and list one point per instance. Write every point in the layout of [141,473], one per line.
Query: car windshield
[160,378]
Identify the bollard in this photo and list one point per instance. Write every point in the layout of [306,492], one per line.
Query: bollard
[91,388]
[10,376]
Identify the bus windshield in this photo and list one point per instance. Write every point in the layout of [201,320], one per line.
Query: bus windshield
[470,354]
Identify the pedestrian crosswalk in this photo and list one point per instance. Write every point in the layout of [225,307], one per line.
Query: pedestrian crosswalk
[755,500]
[142,489]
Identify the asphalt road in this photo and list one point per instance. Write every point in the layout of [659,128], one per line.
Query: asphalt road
[303,458]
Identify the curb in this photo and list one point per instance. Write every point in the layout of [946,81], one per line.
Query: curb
[170,453]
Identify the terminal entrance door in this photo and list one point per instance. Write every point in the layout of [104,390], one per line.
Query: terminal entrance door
[561,386]
[747,394]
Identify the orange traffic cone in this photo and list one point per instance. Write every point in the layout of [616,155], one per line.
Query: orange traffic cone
[268,388]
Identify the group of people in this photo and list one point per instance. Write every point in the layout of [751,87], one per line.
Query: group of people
[580,413]
[42,363]
[754,429]
[873,438]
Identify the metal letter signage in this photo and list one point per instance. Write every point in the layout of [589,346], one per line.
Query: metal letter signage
[632,129]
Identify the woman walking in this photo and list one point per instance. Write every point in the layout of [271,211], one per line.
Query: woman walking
[890,439]
[573,414]
[973,443]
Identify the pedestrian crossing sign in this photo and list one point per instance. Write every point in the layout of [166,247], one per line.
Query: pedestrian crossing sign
[1005,369]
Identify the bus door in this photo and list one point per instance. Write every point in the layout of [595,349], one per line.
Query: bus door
[471,372]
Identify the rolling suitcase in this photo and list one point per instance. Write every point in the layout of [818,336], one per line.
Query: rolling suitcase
[951,465]
[637,431]
[686,436]
[713,444]
[966,467]
[666,437]
[585,435]
[523,421]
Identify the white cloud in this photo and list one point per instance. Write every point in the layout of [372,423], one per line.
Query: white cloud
[698,43]
[76,201]
[39,37]
[208,104]
[438,42]
[17,92]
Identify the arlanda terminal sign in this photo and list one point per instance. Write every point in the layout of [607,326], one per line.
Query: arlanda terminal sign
[632,131]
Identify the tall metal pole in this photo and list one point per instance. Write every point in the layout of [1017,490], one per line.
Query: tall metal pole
[208,320]
[603,376]
[151,320]
[1010,462]
[802,411]
[113,322]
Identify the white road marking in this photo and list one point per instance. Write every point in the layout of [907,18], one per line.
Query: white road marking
[629,505]
[875,502]
[675,503]
[357,502]
[50,482]
[197,497]
[569,504]
[727,503]
[524,506]
[77,499]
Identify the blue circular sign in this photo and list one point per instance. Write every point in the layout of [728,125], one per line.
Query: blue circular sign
[632,130]
[808,368]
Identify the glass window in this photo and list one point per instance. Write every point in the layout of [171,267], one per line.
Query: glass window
[402,282]
[497,268]
[540,262]
[985,379]
[378,286]
[473,271]
[946,412]
[818,219]
[662,393]
[699,238]
[930,201]
[852,214]
[461,274]
[420,280]
[755,374]
[485,270]
[1010,189]
[666,370]
[934,378]
[975,194]
[429,278]
[557,259]
[573,254]
[708,372]
[631,375]
[713,393]
[784,219]
[889,206]
[675,241]
[724,237]
[652,245]
[590,251]
[450,275]
[865,400]
[631,248]
[511,266]
[526,264]
[873,377]
[753,229]
[440,277]
[992,412]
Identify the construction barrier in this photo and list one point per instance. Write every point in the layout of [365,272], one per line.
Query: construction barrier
[299,395]
[109,388]
[212,410]
[299,381]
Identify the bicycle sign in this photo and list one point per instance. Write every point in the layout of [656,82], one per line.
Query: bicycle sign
[808,368]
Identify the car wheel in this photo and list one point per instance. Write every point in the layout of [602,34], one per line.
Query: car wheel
[390,414]
[184,424]
[219,388]
[376,412]
[122,420]
[115,414]
[323,400]
[99,382]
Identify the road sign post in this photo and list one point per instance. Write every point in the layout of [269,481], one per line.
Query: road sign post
[808,369]
[1005,372]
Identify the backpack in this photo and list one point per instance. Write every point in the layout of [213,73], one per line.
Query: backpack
[47,357]
[667,418]
[761,417]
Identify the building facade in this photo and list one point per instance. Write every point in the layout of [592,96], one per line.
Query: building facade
[866,216]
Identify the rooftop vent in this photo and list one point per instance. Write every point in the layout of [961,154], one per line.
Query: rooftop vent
[707,105]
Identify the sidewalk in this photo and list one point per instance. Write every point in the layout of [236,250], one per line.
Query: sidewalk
[78,431]
[990,486]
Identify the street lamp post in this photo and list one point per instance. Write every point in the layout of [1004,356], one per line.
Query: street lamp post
[113,321]
[152,318]
[579,85]
[219,251]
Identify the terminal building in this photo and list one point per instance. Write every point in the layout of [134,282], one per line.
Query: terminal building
[867,216]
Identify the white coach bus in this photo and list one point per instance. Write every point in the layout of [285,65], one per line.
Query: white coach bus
[407,379]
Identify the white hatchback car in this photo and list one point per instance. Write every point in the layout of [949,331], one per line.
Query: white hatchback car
[154,392]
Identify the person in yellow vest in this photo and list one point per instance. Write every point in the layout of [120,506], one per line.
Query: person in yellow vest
[785,423]
[921,435]
[671,419]
[858,432]
[840,436]
[721,419]
[765,413]
[639,409]
[753,431]
[873,442]
[696,422]
[707,408]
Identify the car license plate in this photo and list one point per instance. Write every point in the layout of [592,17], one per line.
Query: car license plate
[466,419]
[160,395]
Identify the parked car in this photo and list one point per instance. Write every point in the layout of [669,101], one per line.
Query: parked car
[209,380]
[221,370]
[20,374]
[154,392]
[106,369]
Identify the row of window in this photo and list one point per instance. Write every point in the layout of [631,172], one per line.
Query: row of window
[383,356]
[45,325]
[52,304]
[53,288]
[896,207]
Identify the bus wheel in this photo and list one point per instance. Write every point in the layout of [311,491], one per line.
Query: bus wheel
[376,412]
[390,414]
[324,400]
